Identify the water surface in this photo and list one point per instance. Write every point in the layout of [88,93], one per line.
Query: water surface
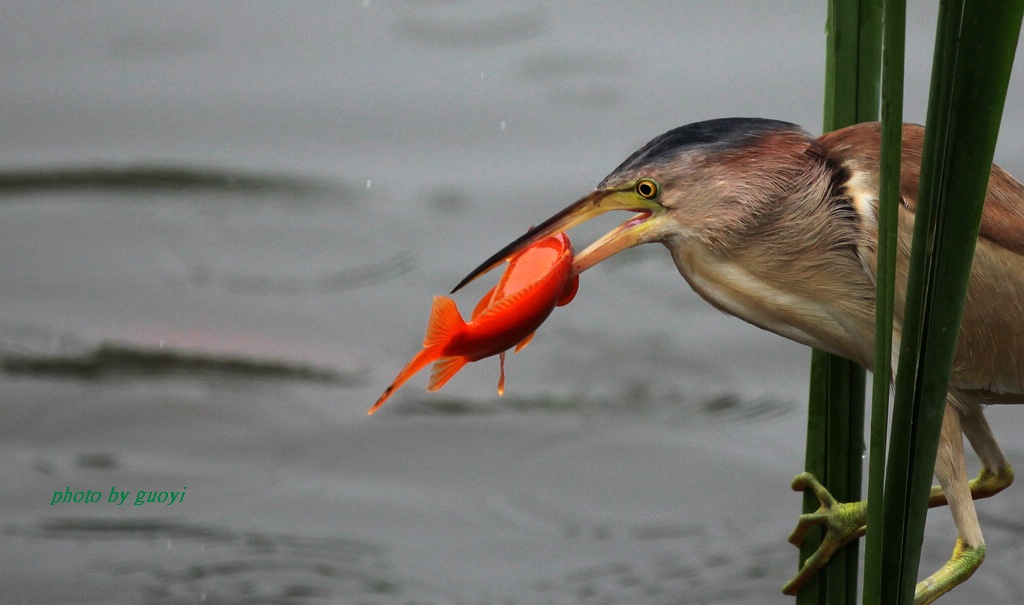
[222,225]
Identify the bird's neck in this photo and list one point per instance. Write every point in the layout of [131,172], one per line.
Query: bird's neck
[795,271]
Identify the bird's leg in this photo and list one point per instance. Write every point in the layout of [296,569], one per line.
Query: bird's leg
[996,473]
[969,552]
[845,521]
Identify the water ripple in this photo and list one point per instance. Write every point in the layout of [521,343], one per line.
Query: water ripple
[484,32]
[335,281]
[111,360]
[135,177]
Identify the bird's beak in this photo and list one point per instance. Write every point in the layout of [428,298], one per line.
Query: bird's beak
[626,235]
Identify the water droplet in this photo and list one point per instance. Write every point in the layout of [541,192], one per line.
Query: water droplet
[161,344]
[503,124]
[481,75]
[368,183]
[366,3]
[168,544]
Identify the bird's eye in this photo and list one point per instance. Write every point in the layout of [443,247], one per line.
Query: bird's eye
[647,189]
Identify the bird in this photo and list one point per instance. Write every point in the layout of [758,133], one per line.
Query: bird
[779,228]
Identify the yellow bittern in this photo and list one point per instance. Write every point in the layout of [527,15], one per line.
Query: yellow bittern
[779,228]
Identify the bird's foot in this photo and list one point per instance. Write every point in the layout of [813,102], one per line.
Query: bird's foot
[844,521]
[960,566]
[989,482]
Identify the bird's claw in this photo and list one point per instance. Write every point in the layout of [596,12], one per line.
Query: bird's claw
[844,521]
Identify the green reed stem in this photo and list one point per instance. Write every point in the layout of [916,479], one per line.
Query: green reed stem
[894,35]
[974,52]
[835,425]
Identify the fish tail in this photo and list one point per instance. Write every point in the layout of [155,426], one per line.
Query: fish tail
[420,361]
[444,323]
[443,370]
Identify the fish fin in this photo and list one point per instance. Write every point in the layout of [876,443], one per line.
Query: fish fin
[420,361]
[504,305]
[522,343]
[486,300]
[443,370]
[569,293]
[501,375]
[444,322]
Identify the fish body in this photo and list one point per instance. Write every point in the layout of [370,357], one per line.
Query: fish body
[537,280]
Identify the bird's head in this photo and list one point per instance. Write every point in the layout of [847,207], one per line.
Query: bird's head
[694,182]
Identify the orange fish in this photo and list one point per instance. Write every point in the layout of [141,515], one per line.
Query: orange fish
[537,280]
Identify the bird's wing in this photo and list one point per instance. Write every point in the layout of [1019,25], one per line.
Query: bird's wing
[1002,220]
[990,354]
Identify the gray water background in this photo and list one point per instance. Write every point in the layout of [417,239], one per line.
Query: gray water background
[221,225]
